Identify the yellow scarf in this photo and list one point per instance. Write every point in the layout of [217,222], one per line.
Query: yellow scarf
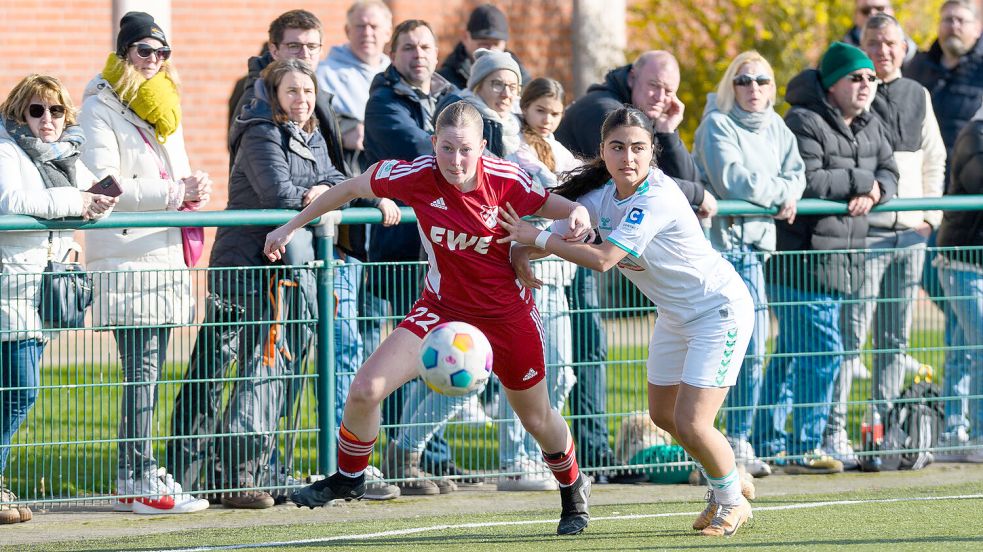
[155,101]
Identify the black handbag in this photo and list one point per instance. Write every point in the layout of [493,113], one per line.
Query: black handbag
[64,294]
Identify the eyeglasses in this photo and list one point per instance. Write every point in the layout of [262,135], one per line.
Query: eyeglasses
[746,80]
[859,77]
[145,51]
[296,47]
[867,10]
[498,86]
[36,111]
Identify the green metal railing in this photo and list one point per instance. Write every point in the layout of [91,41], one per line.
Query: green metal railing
[77,461]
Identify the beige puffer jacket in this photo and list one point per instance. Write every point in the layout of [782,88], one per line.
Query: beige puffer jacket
[146,282]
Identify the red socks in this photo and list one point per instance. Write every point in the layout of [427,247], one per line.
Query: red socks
[563,465]
[353,454]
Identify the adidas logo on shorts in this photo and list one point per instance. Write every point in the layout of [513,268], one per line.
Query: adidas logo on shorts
[439,203]
[529,375]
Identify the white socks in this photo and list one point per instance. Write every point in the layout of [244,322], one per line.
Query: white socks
[727,489]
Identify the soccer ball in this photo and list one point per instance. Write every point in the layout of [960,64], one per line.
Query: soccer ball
[455,359]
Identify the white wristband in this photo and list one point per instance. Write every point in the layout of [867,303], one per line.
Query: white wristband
[542,238]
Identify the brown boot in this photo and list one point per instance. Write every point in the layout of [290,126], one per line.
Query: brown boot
[12,513]
[405,464]
[248,500]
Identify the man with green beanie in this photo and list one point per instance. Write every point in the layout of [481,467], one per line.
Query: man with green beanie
[847,159]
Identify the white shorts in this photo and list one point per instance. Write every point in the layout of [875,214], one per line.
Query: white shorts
[706,352]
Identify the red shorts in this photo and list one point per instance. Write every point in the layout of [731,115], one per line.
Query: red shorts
[517,341]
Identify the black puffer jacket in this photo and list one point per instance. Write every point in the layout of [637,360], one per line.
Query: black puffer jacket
[580,132]
[841,162]
[956,92]
[274,167]
[965,228]
[326,117]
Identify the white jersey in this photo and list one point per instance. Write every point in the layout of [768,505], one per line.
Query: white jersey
[669,258]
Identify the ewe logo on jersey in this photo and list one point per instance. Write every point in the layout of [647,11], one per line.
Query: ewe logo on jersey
[489,215]
[459,241]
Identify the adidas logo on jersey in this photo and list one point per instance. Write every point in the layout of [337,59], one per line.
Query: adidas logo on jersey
[439,203]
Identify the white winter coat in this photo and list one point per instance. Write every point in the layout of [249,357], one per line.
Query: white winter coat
[24,255]
[146,282]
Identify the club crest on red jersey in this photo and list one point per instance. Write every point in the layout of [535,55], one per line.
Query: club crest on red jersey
[489,215]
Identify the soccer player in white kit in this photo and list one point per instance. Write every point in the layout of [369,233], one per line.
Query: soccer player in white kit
[706,314]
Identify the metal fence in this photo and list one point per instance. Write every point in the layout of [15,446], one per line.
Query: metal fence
[248,394]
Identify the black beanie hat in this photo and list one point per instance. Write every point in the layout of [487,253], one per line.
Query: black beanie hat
[134,26]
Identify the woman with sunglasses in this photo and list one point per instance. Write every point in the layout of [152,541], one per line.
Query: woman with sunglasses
[744,151]
[132,119]
[41,175]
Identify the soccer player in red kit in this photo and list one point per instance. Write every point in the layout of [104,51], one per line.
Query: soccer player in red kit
[456,194]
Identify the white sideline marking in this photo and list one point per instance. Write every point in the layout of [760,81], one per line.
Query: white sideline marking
[415,530]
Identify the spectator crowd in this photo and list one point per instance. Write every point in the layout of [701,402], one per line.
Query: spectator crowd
[873,121]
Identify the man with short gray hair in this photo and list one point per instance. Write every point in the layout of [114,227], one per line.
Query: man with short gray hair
[952,69]
[348,70]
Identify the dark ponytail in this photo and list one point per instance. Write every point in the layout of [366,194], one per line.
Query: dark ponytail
[594,173]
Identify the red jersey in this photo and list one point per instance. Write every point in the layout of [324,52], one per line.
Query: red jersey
[469,272]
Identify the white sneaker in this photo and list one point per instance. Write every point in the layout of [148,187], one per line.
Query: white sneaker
[184,503]
[527,474]
[744,456]
[473,413]
[855,368]
[152,495]
[837,444]
[956,443]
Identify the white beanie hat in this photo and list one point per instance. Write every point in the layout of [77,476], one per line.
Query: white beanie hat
[487,62]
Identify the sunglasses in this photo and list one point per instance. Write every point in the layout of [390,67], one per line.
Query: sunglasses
[746,80]
[36,111]
[857,77]
[146,50]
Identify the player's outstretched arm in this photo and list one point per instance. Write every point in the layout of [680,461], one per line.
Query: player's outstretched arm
[334,197]
[596,257]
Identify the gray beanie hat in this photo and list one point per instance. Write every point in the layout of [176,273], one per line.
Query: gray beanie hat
[489,61]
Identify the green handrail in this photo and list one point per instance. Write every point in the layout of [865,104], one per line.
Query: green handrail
[367,215]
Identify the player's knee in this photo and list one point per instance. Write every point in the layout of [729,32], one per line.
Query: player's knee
[535,422]
[664,420]
[364,395]
[687,431]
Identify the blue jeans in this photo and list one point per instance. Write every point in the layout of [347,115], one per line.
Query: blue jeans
[810,331]
[20,376]
[747,390]
[347,340]
[588,398]
[964,369]
[391,290]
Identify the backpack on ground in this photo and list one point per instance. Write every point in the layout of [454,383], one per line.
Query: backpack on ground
[912,427]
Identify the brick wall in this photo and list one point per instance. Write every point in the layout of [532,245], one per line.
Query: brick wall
[213,40]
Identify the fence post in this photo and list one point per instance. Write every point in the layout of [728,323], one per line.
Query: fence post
[327,443]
